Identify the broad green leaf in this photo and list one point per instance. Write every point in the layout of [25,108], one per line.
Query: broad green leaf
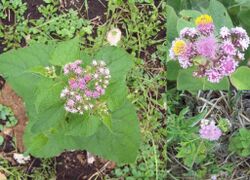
[15,66]
[39,70]
[173,68]
[240,78]
[193,14]
[219,14]
[119,63]
[48,93]
[48,118]
[243,16]
[121,145]
[65,52]
[82,125]
[171,24]
[182,23]
[107,121]
[186,81]
[49,106]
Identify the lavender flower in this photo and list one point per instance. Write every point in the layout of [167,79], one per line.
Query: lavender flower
[85,86]
[228,48]
[224,32]
[213,75]
[210,132]
[206,47]
[228,66]
[189,33]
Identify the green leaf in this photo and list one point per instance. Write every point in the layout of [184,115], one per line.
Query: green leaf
[193,14]
[173,68]
[121,145]
[82,125]
[182,23]
[243,16]
[240,78]
[48,93]
[48,118]
[186,81]
[65,52]
[219,14]
[39,70]
[107,121]
[119,63]
[171,24]
[15,67]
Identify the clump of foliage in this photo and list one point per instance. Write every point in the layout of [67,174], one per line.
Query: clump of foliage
[240,143]
[7,119]
[53,24]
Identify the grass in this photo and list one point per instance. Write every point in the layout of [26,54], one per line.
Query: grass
[142,24]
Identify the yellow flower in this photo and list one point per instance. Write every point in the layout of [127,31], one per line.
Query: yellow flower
[179,47]
[203,19]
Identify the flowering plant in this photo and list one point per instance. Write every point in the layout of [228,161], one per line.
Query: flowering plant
[208,51]
[74,101]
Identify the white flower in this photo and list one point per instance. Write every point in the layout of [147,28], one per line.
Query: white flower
[244,43]
[94,62]
[224,32]
[204,122]
[240,55]
[95,76]
[114,36]
[102,70]
[20,158]
[86,107]
[107,71]
[106,82]
[102,63]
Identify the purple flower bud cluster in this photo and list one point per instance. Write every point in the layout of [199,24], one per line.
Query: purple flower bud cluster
[214,56]
[210,131]
[85,85]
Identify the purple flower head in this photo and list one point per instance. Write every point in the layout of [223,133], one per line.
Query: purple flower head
[95,94]
[206,29]
[189,33]
[88,93]
[79,94]
[70,103]
[100,90]
[207,47]
[240,55]
[87,78]
[78,97]
[78,70]
[73,84]
[224,32]
[66,69]
[244,44]
[214,75]
[228,65]
[210,132]
[73,66]
[185,62]
[228,48]
[239,32]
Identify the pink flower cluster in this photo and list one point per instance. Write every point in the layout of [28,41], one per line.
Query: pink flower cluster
[214,56]
[210,131]
[85,85]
